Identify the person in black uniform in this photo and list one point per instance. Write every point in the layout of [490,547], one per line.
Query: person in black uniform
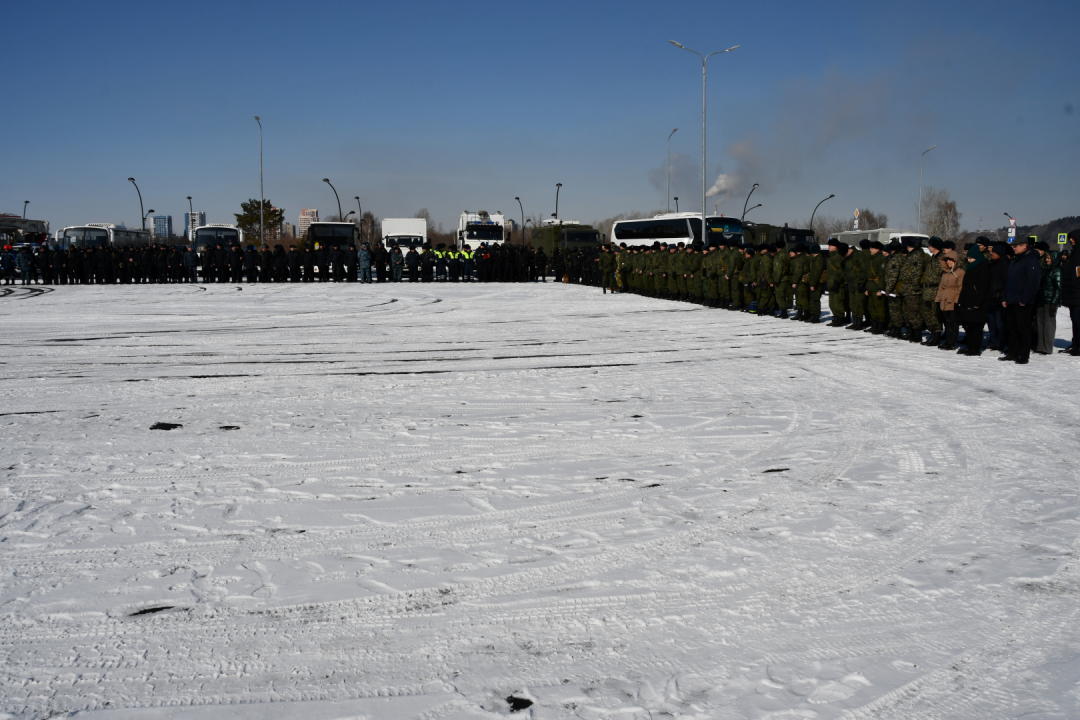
[266,264]
[281,264]
[294,264]
[309,264]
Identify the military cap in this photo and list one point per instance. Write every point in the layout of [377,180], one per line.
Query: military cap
[937,243]
[983,241]
[878,244]
[864,244]
[1041,245]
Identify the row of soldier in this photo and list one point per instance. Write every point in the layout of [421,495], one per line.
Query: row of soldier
[898,290]
[325,262]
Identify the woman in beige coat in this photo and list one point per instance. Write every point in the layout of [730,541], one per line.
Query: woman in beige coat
[948,294]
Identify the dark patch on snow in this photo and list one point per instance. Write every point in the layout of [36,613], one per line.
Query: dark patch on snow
[626,480]
[165,426]
[33,412]
[653,485]
[776,470]
[138,380]
[637,416]
[518,704]
[460,472]
[228,427]
[151,610]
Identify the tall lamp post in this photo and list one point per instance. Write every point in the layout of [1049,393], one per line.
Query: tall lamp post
[704,58]
[327,181]
[351,212]
[669,168]
[132,181]
[148,214]
[676,203]
[815,212]
[262,221]
[753,208]
[24,204]
[558,186]
[191,212]
[523,218]
[747,201]
[360,215]
[921,159]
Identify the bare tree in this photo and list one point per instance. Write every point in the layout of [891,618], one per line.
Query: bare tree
[940,216]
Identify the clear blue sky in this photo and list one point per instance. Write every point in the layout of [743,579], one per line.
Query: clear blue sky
[455,106]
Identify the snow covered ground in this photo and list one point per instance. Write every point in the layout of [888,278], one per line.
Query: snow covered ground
[422,501]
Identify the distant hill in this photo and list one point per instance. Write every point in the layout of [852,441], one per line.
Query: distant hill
[1047,231]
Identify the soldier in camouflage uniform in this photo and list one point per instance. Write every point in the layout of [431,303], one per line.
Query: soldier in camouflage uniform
[607,269]
[782,279]
[893,289]
[931,313]
[834,282]
[766,294]
[856,270]
[875,289]
[736,261]
[670,265]
[818,279]
[800,280]
[911,275]
[748,278]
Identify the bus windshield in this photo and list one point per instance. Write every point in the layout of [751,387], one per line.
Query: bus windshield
[332,231]
[483,232]
[216,236]
[86,237]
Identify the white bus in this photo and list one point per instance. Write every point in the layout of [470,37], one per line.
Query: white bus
[98,235]
[675,228]
[213,234]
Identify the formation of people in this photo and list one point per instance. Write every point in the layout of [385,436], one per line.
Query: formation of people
[896,290]
[320,262]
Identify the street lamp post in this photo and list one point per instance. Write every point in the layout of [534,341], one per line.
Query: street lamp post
[191,212]
[704,58]
[327,181]
[921,159]
[148,214]
[523,218]
[669,168]
[756,206]
[360,215]
[132,181]
[351,212]
[262,221]
[815,212]
[558,186]
[24,204]
[676,203]
[747,201]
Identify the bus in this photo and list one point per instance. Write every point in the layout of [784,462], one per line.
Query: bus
[569,235]
[99,235]
[676,228]
[334,234]
[15,230]
[214,234]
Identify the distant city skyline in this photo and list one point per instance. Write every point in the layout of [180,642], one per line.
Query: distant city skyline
[835,98]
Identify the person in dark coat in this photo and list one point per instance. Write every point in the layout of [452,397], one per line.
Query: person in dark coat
[266,264]
[1070,289]
[334,259]
[974,300]
[412,263]
[309,264]
[281,264]
[1048,300]
[999,277]
[1021,289]
[293,259]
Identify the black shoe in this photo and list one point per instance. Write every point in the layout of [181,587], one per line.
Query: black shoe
[934,340]
[1041,352]
[1008,358]
[946,346]
[1021,361]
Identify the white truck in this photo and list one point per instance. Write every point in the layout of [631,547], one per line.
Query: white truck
[477,227]
[406,232]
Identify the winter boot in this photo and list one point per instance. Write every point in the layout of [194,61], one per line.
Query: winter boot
[934,340]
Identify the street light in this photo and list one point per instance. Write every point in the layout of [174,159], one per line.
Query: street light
[557,187]
[923,157]
[748,201]
[148,214]
[523,219]
[351,212]
[669,168]
[704,58]
[361,216]
[132,181]
[756,206]
[24,204]
[676,203]
[262,220]
[327,181]
[191,212]
[815,213]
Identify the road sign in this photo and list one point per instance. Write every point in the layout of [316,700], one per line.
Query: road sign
[1012,232]
[1062,237]
[1012,222]
[856,219]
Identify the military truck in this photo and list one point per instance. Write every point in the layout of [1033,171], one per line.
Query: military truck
[564,235]
[760,233]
